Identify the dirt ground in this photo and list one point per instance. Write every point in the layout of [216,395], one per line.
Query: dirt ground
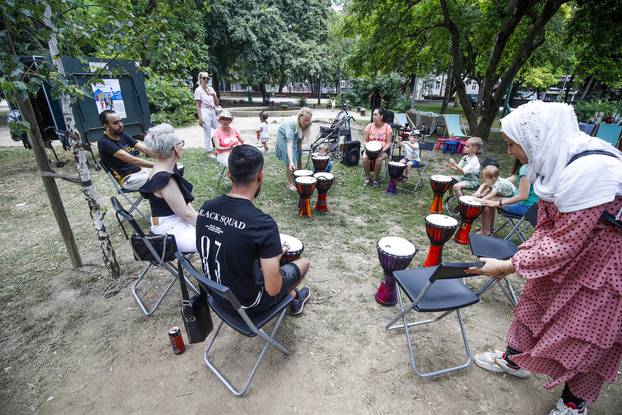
[74,342]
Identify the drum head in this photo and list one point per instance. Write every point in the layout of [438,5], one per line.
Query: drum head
[306,180]
[396,164]
[441,220]
[294,243]
[301,173]
[373,146]
[396,246]
[469,200]
[440,178]
[324,176]
[318,157]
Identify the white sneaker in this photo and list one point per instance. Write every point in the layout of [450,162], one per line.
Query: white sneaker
[569,408]
[494,362]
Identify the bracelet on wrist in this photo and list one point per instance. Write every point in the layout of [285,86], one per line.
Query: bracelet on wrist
[500,202]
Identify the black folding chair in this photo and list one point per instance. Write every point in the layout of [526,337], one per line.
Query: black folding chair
[240,321]
[433,289]
[124,193]
[154,257]
[518,222]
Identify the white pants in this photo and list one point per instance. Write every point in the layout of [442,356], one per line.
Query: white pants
[185,234]
[223,158]
[136,180]
[209,121]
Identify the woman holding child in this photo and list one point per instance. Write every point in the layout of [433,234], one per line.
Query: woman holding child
[568,321]
[289,138]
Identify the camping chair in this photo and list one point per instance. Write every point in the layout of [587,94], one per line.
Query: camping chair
[609,133]
[155,257]
[222,167]
[125,194]
[432,289]
[492,247]
[587,128]
[518,222]
[453,133]
[428,148]
[239,321]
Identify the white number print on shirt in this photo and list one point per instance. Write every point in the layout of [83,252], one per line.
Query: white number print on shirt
[205,252]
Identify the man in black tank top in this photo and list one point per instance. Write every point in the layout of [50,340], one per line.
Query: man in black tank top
[115,149]
[240,245]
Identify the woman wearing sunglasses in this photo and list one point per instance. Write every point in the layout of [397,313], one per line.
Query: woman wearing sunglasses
[206,101]
[169,194]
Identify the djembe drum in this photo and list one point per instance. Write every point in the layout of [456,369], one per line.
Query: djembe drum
[294,248]
[440,229]
[305,186]
[440,184]
[301,173]
[394,254]
[469,210]
[319,162]
[396,170]
[324,182]
[373,150]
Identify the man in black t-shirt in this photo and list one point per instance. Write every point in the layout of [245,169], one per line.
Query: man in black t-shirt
[240,245]
[115,149]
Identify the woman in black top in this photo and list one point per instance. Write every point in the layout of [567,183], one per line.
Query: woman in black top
[169,194]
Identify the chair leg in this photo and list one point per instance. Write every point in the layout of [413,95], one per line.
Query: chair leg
[222,174]
[140,302]
[270,341]
[409,340]
[134,205]
[505,286]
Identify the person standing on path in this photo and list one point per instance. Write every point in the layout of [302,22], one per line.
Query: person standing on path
[206,101]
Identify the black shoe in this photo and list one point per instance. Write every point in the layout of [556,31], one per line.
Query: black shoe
[302,295]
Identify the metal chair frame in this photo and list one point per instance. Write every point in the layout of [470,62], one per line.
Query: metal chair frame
[213,288]
[125,194]
[122,216]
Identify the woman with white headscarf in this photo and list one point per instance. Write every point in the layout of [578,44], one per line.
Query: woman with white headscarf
[568,322]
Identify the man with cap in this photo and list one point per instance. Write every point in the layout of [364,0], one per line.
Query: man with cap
[240,246]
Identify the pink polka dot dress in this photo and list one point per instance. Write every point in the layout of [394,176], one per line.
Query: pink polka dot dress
[568,322]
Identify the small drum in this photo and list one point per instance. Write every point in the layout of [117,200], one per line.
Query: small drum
[373,150]
[440,229]
[301,173]
[319,162]
[305,186]
[440,185]
[324,182]
[295,248]
[469,210]
[394,254]
[396,170]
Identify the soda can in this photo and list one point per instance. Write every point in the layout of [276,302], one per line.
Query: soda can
[177,341]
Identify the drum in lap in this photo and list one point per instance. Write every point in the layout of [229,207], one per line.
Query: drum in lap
[440,184]
[305,186]
[373,150]
[294,248]
[324,182]
[440,229]
[320,162]
[396,170]
[394,254]
[469,210]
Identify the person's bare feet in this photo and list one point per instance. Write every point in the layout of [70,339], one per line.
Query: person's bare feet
[291,187]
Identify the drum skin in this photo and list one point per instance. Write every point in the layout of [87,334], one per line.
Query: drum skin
[320,163]
[372,151]
[386,294]
[291,254]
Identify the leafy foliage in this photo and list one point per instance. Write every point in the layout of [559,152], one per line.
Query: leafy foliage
[170,100]
[586,110]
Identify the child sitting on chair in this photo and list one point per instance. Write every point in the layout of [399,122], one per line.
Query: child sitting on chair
[411,151]
[225,137]
[322,150]
[493,186]
[468,166]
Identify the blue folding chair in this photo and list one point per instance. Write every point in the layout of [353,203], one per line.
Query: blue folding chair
[453,127]
[587,128]
[609,133]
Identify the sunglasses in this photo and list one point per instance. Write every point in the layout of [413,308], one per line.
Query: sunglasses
[205,77]
[180,143]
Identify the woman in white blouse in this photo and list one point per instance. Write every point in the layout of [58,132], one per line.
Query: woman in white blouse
[206,101]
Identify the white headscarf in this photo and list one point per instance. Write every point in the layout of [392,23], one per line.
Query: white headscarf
[549,134]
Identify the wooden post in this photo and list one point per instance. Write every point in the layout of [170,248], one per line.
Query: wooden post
[25,108]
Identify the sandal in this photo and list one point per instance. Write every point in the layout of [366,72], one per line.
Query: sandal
[375,183]
[292,188]
[367,181]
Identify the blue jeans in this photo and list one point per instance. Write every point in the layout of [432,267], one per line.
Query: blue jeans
[517,209]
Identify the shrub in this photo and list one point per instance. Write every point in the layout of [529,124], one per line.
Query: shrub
[170,100]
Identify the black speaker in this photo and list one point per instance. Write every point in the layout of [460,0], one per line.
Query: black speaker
[351,153]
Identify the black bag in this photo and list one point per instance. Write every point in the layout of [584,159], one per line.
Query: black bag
[163,246]
[351,153]
[194,311]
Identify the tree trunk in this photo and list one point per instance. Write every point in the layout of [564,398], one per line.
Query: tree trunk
[319,91]
[485,123]
[28,114]
[216,83]
[262,88]
[448,89]
[567,91]
[97,213]
[587,88]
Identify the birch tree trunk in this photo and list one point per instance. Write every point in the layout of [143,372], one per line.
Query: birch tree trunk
[95,209]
